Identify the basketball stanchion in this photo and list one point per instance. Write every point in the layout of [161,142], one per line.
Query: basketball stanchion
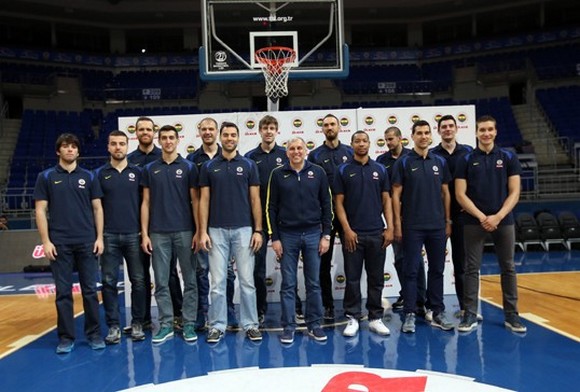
[277,62]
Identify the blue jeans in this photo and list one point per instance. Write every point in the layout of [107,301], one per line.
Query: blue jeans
[81,256]
[400,268]
[117,247]
[292,245]
[165,245]
[228,243]
[203,287]
[370,254]
[434,241]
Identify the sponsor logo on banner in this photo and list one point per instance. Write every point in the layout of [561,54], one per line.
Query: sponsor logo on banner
[190,148]
[178,127]
[38,252]
[250,124]
[131,129]
[310,145]
[392,119]
[297,123]
[461,117]
[415,118]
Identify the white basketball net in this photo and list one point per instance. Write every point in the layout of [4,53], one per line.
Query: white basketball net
[277,61]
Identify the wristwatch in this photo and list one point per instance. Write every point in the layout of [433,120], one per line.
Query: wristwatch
[326,237]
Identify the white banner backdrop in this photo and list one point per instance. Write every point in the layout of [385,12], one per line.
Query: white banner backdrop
[307,124]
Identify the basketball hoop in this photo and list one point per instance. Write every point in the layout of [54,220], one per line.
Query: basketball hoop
[277,62]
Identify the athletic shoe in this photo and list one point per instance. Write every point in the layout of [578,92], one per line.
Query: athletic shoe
[137,334]
[146,326]
[377,326]
[114,335]
[329,313]
[514,324]
[479,317]
[96,342]
[351,328]
[164,333]
[440,321]
[254,334]
[300,318]
[287,336]
[178,323]
[459,314]
[399,303]
[468,322]
[189,334]
[214,335]
[409,324]
[429,315]
[65,346]
[318,334]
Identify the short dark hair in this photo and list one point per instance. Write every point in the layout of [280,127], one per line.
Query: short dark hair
[118,133]
[228,124]
[213,120]
[168,128]
[420,123]
[359,133]
[485,118]
[67,138]
[143,118]
[333,116]
[267,120]
[396,131]
[445,118]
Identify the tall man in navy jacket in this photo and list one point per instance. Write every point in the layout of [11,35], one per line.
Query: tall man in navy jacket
[487,186]
[329,156]
[422,217]
[268,156]
[73,237]
[299,221]
[120,182]
[361,190]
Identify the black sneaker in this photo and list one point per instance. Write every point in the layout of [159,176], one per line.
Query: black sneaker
[287,336]
[468,322]
[214,335]
[514,324]
[329,313]
[318,334]
[398,304]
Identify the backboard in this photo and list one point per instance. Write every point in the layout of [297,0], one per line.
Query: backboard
[234,29]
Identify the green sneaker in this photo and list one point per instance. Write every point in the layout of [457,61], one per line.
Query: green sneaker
[189,334]
[164,333]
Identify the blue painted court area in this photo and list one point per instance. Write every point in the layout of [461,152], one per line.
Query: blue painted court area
[540,360]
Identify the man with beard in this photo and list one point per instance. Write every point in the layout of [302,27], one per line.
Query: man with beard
[299,220]
[145,153]
[268,156]
[329,156]
[230,225]
[168,216]
[421,215]
[73,237]
[120,182]
[361,190]
[208,130]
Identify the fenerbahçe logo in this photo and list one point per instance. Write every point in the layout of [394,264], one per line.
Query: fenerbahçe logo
[131,129]
[297,123]
[250,124]
[386,276]
[269,281]
[369,120]
[392,120]
[310,145]
[381,142]
[344,121]
[178,127]
[461,117]
[190,148]
[415,118]
[405,142]
[340,279]
[437,118]
[319,122]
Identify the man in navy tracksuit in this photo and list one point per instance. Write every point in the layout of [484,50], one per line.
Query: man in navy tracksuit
[421,208]
[120,182]
[329,156]
[361,189]
[73,237]
[487,186]
[268,156]
[452,152]
[299,221]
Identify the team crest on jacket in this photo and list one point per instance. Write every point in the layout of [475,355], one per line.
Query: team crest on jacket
[131,176]
[178,173]
[344,158]
[279,161]
[375,176]
[240,171]
[310,174]
[499,163]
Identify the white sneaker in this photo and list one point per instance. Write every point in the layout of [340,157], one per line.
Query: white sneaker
[429,315]
[351,328]
[377,326]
